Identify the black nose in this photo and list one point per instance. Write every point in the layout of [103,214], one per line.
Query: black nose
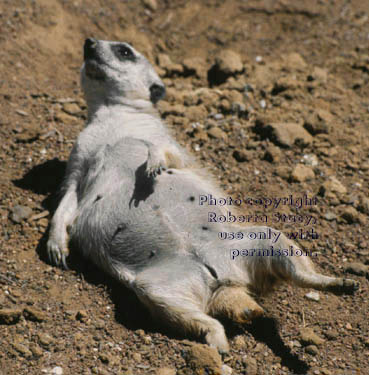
[89,49]
[157,92]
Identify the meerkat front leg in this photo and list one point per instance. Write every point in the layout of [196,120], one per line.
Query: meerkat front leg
[58,239]
[58,236]
[162,158]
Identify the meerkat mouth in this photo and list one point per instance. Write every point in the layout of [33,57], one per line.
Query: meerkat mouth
[94,70]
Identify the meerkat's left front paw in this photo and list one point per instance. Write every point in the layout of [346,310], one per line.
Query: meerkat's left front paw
[155,165]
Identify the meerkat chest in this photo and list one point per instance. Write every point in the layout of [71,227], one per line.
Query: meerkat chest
[110,131]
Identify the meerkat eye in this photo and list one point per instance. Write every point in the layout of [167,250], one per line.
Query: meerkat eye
[123,52]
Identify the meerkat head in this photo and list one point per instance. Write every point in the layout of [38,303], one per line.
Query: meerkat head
[114,72]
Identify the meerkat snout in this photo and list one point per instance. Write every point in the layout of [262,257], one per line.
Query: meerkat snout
[89,48]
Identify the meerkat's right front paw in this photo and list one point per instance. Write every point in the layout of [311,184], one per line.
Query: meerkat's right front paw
[57,254]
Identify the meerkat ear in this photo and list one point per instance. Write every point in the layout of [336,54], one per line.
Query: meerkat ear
[157,92]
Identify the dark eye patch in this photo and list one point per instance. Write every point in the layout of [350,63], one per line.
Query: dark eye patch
[123,52]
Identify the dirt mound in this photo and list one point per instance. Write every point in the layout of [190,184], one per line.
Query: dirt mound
[272,96]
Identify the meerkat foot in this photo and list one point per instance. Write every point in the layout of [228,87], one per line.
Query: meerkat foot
[344,286]
[57,254]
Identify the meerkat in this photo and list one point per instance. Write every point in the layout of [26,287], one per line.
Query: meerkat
[131,205]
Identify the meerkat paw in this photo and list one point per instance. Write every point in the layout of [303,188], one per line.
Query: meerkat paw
[57,254]
[154,166]
[218,340]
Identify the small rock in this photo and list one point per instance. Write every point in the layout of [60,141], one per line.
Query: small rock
[196,113]
[283,171]
[165,371]
[357,268]
[35,315]
[10,316]
[229,62]
[137,357]
[332,186]
[22,349]
[312,349]
[330,216]
[350,215]
[226,370]
[217,133]
[45,339]
[314,296]
[64,117]
[71,108]
[20,213]
[310,159]
[239,342]
[325,371]
[204,359]
[294,61]
[302,173]
[251,365]
[150,4]
[147,340]
[82,316]
[318,122]
[104,358]
[273,154]
[309,337]
[283,134]
[363,204]
[57,370]
[21,113]
[242,155]
[331,334]
[36,350]
[348,326]
[319,74]
[194,66]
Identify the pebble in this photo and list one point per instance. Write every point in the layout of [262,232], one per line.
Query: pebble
[332,185]
[242,155]
[301,173]
[19,213]
[22,349]
[229,62]
[314,296]
[204,359]
[165,371]
[309,337]
[284,134]
[57,370]
[45,339]
[226,370]
[312,349]
[137,357]
[35,315]
[150,4]
[251,365]
[357,268]
[10,316]
[310,159]
[71,108]
[350,215]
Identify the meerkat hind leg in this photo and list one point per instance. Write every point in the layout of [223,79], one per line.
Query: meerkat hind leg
[235,303]
[181,307]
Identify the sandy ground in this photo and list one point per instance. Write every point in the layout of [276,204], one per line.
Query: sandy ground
[290,118]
